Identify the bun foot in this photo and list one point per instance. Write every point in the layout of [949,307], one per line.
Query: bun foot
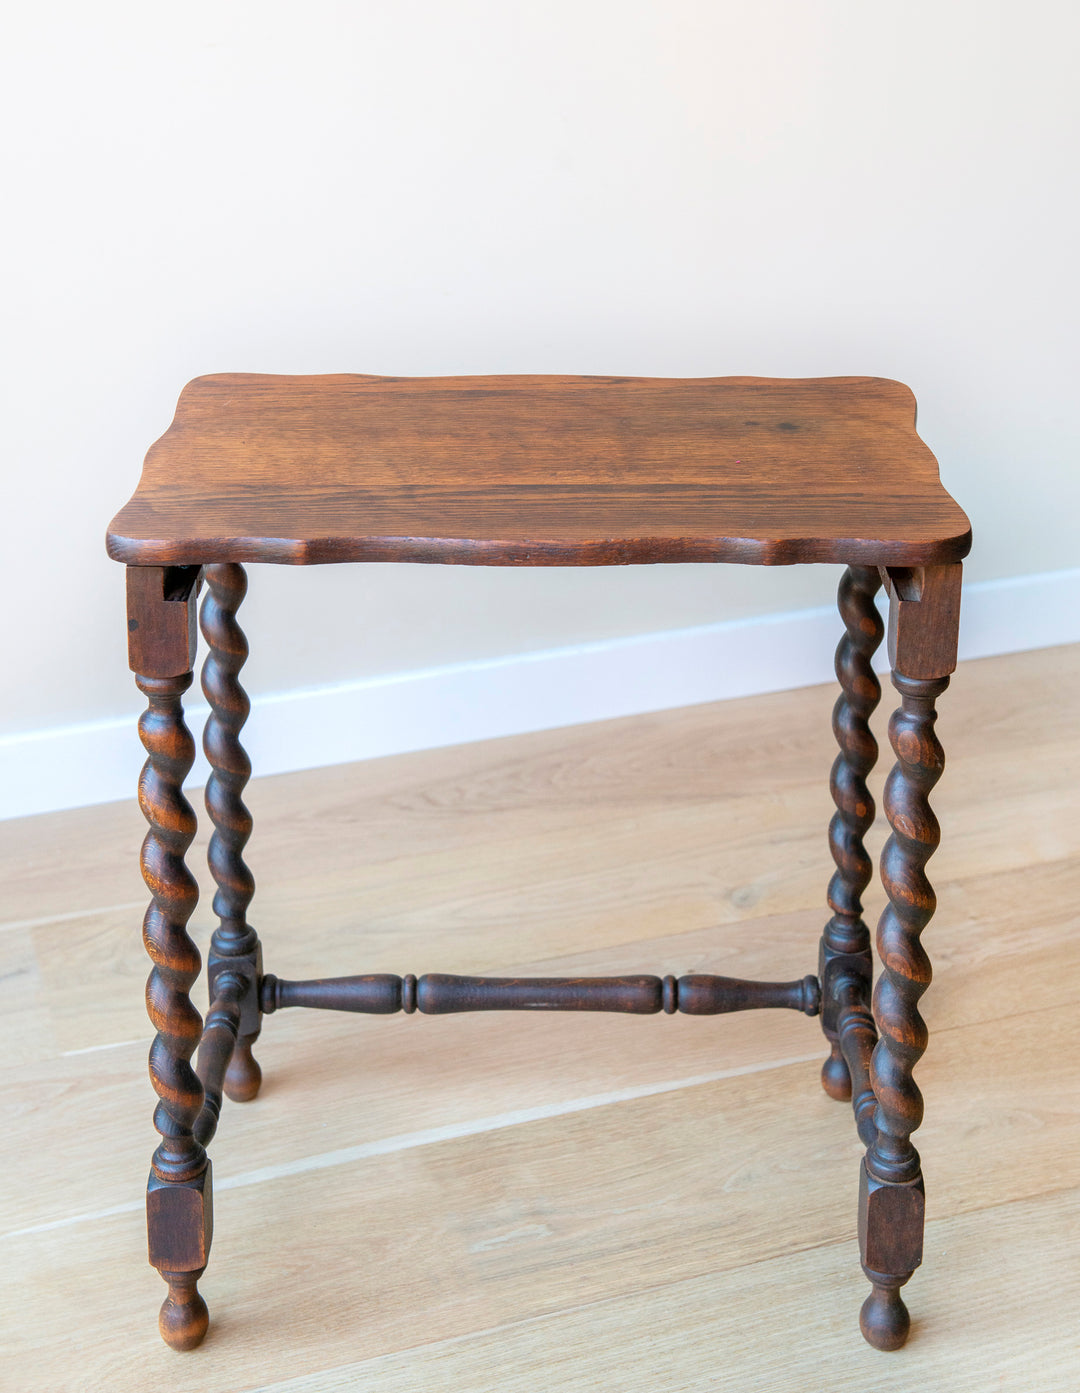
[184,1319]
[884,1319]
[243,1076]
[835,1077]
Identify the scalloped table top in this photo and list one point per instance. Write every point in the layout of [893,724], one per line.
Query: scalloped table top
[540,471]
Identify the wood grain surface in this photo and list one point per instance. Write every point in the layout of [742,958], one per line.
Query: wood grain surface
[566,1202]
[538,471]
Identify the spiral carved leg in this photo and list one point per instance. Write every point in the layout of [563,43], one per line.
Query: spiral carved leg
[235,946]
[892,1199]
[178,1199]
[845,941]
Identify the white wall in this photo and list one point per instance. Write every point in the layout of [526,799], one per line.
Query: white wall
[789,187]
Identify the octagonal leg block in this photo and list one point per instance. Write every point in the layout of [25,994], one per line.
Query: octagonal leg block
[180,1227]
[890,1246]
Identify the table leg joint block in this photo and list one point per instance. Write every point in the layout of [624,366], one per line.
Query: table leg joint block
[180,1222]
[891,1220]
[180,1227]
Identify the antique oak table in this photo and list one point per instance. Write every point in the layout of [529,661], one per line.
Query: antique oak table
[540,471]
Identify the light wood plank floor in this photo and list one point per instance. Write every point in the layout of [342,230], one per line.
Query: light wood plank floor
[562,1202]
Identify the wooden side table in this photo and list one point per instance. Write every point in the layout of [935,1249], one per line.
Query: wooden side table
[540,471]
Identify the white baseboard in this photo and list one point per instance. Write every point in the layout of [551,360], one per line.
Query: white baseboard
[98,762]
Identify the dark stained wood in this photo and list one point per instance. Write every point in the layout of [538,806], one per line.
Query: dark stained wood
[540,471]
[705,995]
[184,1319]
[161,619]
[216,1048]
[178,1200]
[857,1037]
[534,471]
[924,619]
[845,940]
[892,1200]
[234,948]
[439,993]
[891,1219]
[376,994]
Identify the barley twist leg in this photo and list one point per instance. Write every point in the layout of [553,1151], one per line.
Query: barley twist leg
[845,941]
[892,1198]
[235,945]
[178,1191]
